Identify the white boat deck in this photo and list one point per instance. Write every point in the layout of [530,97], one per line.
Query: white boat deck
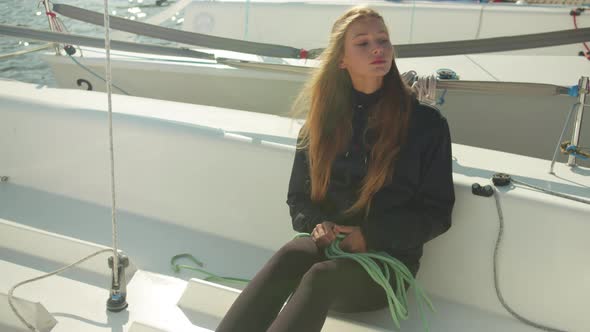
[79,306]
[153,306]
[170,161]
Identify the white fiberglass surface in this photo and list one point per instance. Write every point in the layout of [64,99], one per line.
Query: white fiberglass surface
[150,243]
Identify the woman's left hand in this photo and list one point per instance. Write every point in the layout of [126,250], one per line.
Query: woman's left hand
[354,240]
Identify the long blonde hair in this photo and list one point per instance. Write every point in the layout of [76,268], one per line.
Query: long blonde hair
[327,98]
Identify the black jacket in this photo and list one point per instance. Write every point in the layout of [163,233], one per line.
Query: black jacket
[415,208]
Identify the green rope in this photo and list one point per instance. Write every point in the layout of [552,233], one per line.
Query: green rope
[379,265]
[210,276]
[371,261]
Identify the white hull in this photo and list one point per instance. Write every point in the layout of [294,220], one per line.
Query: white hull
[180,79]
[308,24]
[476,119]
[186,184]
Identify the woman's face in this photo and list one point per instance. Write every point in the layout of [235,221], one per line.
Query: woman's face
[367,50]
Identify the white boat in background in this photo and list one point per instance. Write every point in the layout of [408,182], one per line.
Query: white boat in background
[269,84]
[267,89]
[510,120]
[307,24]
[202,180]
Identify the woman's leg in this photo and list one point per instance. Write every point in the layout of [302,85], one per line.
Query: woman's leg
[259,303]
[341,284]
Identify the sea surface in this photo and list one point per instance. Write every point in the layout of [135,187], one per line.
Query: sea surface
[31,14]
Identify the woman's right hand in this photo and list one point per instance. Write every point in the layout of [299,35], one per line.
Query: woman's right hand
[323,234]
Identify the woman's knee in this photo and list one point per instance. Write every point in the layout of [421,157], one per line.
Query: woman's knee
[321,276]
[299,251]
[302,247]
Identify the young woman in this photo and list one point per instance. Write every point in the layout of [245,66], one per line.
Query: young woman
[372,163]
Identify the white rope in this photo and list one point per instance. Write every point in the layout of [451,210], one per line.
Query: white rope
[108,78]
[425,86]
[114,250]
[497,273]
[52,23]
[52,26]
[11,291]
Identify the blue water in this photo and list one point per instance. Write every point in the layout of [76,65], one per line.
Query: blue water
[30,14]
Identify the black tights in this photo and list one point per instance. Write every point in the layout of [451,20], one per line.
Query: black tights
[320,284]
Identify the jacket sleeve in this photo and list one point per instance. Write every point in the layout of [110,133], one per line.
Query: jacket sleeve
[305,214]
[394,226]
